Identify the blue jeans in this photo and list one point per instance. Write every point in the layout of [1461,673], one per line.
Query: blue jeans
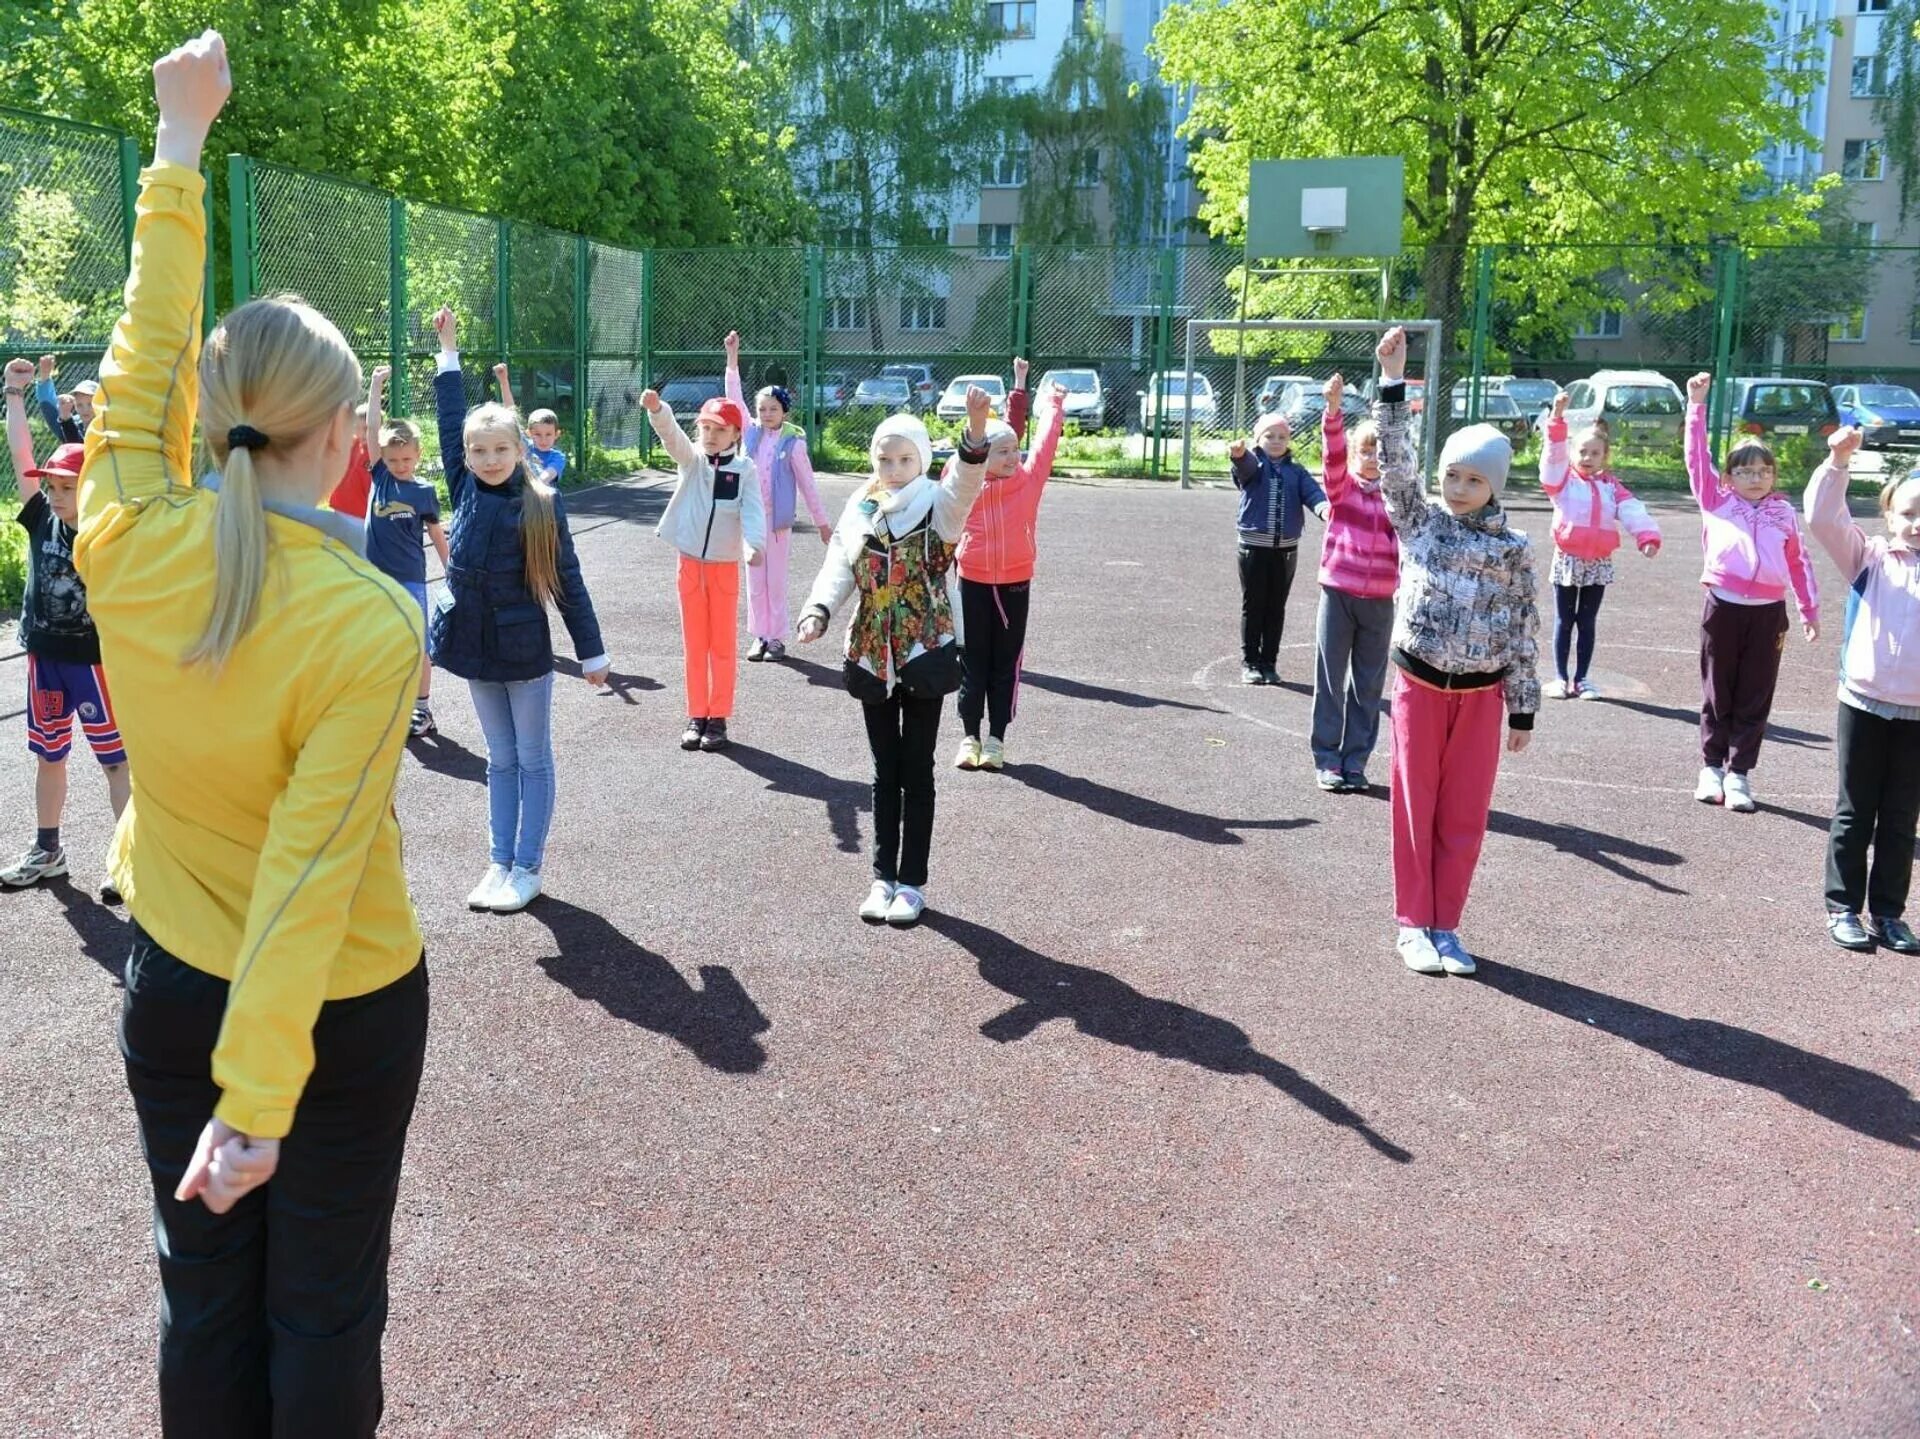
[517,719]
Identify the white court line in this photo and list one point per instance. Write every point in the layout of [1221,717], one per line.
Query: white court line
[1202,680]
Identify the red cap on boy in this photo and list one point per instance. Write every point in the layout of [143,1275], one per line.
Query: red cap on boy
[66,460]
[724,412]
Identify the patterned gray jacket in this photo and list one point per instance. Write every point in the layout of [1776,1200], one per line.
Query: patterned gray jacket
[1466,599]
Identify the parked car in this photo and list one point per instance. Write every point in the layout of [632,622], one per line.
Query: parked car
[1416,394]
[1085,405]
[1274,388]
[687,394]
[884,392]
[919,380]
[953,403]
[1531,395]
[1304,406]
[833,392]
[1638,407]
[1779,405]
[550,389]
[1889,415]
[1497,408]
[1164,403]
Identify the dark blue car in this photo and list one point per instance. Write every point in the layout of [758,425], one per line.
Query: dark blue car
[1888,415]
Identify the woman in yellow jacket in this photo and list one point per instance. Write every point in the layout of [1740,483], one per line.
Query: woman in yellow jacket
[275,1015]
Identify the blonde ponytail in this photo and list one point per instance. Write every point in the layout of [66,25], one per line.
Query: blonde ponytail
[280,368]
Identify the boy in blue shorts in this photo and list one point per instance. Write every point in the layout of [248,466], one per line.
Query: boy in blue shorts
[65,683]
[399,509]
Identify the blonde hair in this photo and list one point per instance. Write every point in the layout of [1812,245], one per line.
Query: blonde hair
[1365,430]
[399,432]
[277,366]
[543,417]
[539,526]
[1597,432]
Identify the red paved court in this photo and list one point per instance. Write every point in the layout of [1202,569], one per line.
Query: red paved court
[1145,1132]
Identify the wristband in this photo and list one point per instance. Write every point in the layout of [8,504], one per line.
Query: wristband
[967,455]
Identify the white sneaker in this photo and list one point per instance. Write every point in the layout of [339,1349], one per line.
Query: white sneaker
[1739,794]
[968,755]
[993,754]
[1555,689]
[1417,950]
[1588,690]
[873,908]
[1454,958]
[520,889]
[485,892]
[1712,788]
[33,866]
[906,907]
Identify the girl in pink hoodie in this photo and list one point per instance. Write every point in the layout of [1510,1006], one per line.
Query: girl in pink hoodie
[1877,735]
[1590,507]
[996,576]
[1751,535]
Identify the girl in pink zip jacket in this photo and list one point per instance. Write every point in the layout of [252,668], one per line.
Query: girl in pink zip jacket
[1751,536]
[1590,507]
[996,579]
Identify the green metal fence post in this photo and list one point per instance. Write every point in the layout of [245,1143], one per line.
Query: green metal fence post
[1483,273]
[581,389]
[812,362]
[399,308]
[646,343]
[129,192]
[1023,302]
[503,297]
[1726,330]
[1169,291]
[243,227]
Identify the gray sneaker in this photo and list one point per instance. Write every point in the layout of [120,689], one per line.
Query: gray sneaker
[33,866]
[1454,958]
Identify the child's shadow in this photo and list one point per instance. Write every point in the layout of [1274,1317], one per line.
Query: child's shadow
[1103,1007]
[617,684]
[825,677]
[718,1022]
[1783,734]
[105,936]
[445,755]
[1140,811]
[844,799]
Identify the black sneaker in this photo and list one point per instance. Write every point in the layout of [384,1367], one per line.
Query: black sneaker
[422,723]
[1846,931]
[1893,933]
[691,736]
[715,736]
[109,894]
[1252,675]
[1354,781]
[1269,676]
[776,650]
[756,652]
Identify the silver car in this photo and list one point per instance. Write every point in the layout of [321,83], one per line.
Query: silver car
[1085,406]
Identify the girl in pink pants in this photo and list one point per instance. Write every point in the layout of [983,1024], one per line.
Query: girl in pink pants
[1464,646]
[784,468]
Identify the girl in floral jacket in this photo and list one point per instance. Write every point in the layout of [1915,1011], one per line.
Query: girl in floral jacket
[895,545]
[1465,636]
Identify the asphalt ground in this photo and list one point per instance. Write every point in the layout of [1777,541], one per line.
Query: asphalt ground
[1146,1131]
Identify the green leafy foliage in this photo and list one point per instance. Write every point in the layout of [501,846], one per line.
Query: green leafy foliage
[1898,111]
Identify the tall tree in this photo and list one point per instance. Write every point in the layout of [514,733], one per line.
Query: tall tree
[1898,110]
[1521,120]
[1091,106]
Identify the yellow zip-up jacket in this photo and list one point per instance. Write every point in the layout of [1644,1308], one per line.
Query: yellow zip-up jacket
[261,844]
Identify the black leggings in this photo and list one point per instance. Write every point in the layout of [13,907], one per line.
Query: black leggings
[996,621]
[901,732]
[1575,607]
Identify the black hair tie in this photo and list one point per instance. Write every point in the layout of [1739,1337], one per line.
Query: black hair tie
[245,437]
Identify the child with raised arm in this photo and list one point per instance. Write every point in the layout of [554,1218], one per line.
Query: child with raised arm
[715,518]
[67,416]
[1359,570]
[1751,537]
[1590,507]
[1464,645]
[894,547]
[996,561]
[543,432]
[65,683]
[1877,734]
[399,509]
[1276,492]
[511,556]
[785,471]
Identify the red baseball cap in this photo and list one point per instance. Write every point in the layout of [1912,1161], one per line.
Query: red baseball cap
[64,461]
[724,412]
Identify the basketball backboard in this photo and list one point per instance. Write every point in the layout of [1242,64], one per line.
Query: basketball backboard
[1303,208]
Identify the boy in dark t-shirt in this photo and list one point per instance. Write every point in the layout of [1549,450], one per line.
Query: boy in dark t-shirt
[400,509]
[65,683]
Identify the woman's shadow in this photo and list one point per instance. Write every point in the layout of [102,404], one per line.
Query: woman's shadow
[718,1022]
[1099,1005]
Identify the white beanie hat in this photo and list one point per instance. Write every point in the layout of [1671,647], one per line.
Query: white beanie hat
[1482,449]
[999,430]
[908,428]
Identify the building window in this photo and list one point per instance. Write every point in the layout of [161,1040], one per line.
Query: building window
[1873,7]
[1086,168]
[1913,325]
[929,312]
[847,237]
[1865,232]
[1869,76]
[1012,18]
[846,313]
[1863,160]
[846,174]
[1604,326]
[1007,84]
[996,241]
[1008,168]
[929,234]
[1850,328]
[1090,17]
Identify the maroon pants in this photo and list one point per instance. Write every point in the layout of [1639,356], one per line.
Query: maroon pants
[1740,649]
